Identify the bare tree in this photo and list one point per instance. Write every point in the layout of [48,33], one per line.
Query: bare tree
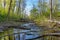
[51,11]
[13,7]
[4,3]
[19,7]
[9,9]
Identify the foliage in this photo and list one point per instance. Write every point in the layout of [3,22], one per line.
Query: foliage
[11,9]
[43,12]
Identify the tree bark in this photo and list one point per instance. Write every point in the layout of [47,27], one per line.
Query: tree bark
[9,9]
[51,11]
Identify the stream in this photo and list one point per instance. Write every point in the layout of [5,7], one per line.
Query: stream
[30,34]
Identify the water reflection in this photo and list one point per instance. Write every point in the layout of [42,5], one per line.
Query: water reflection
[30,34]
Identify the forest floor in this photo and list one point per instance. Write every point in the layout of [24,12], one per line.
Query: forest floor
[11,24]
[58,22]
[49,24]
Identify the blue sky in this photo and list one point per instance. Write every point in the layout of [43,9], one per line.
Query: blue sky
[29,5]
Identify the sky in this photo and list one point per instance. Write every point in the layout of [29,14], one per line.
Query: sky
[29,5]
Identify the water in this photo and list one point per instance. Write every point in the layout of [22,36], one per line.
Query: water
[30,34]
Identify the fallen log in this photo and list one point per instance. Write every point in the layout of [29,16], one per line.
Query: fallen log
[44,35]
[58,22]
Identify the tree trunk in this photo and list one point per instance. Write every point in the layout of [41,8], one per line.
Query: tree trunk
[9,9]
[51,11]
